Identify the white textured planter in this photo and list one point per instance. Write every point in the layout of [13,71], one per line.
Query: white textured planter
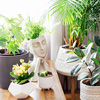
[65,68]
[21,91]
[89,92]
[45,82]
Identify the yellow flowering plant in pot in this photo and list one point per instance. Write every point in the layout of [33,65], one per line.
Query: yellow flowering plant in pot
[21,87]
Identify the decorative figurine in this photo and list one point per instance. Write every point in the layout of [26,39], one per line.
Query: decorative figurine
[38,48]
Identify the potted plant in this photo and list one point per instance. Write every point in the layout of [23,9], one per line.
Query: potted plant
[78,17]
[90,81]
[45,80]
[37,46]
[11,37]
[21,87]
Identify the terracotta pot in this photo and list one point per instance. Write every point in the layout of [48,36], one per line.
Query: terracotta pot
[89,92]
[21,91]
[45,82]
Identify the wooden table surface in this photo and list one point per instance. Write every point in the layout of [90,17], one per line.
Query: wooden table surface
[56,93]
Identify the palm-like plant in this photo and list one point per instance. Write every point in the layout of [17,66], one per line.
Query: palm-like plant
[81,15]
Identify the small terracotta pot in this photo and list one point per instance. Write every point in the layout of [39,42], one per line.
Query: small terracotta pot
[45,82]
[89,92]
[21,91]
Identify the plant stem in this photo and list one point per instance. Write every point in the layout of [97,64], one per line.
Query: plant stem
[77,54]
[90,72]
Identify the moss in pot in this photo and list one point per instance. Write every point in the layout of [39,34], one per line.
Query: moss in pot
[45,80]
[90,81]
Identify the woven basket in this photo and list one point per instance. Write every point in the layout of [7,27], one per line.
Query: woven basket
[89,92]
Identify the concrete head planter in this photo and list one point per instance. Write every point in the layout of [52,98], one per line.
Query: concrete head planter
[38,48]
[45,80]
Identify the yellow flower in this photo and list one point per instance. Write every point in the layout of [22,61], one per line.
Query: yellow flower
[21,75]
[22,60]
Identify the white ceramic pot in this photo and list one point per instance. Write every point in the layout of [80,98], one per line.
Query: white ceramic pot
[89,92]
[21,91]
[45,82]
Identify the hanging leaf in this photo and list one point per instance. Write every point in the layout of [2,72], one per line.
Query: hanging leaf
[93,55]
[82,75]
[72,59]
[88,49]
[76,69]
[96,61]
[97,71]
[95,79]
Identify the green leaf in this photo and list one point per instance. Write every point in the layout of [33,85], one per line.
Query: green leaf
[25,80]
[76,69]
[88,49]
[96,71]
[96,61]
[88,40]
[72,59]
[95,79]
[82,75]
[14,76]
[2,44]
[96,40]
[93,55]
[99,52]
[79,53]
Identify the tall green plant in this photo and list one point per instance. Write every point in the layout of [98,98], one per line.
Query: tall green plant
[10,34]
[79,16]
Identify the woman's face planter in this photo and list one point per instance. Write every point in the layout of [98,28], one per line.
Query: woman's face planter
[39,47]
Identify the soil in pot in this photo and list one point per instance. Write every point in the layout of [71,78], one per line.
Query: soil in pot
[87,82]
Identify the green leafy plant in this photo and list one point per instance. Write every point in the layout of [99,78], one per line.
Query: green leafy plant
[11,34]
[45,74]
[33,30]
[94,75]
[79,16]
[20,73]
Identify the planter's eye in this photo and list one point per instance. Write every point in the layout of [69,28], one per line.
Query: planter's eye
[44,42]
[36,44]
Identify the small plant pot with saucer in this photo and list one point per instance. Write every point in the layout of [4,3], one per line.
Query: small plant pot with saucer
[21,87]
[45,80]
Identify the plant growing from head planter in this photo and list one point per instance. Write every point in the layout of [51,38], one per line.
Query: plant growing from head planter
[20,87]
[33,30]
[11,34]
[11,37]
[93,75]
